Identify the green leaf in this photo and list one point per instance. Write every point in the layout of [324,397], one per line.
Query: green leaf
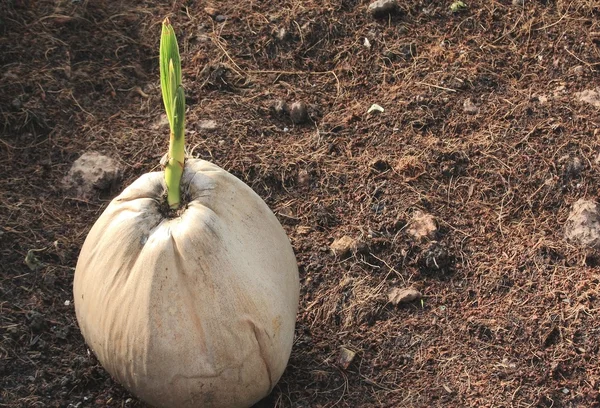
[179,118]
[170,69]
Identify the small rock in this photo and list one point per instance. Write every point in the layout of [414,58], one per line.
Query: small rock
[67,303]
[403,295]
[518,2]
[298,112]
[345,358]
[278,107]
[382,8]
[209,124]
[346,245]
[422,226]
[220,18]
[583,224]
[591,96]
[469,107]
[92,171]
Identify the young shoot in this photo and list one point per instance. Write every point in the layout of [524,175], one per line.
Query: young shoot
[174,101]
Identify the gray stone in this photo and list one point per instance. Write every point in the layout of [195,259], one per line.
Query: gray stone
[403,295]
[382,8]
[90,173]
[583,224]
[346,245]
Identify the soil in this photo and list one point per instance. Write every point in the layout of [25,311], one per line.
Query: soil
[481,129]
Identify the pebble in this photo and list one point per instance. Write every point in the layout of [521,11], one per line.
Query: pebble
[403,295]
[583,224]
[92,171]
[346,245]
[382,8]
[345,358]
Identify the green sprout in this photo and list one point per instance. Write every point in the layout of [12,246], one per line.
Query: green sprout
[174,100]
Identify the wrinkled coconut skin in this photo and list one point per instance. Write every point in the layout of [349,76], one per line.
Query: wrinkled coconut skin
[193,311]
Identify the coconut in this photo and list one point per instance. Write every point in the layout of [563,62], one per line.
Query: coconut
[195,309]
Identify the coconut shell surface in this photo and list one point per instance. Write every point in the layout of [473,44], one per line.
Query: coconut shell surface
[192,311]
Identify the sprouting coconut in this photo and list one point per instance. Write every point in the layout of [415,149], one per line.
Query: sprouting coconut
[186,288]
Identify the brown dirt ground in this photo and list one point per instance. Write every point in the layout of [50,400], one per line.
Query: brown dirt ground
[510,316]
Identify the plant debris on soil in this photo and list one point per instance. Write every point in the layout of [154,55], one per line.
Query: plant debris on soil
[489,126]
